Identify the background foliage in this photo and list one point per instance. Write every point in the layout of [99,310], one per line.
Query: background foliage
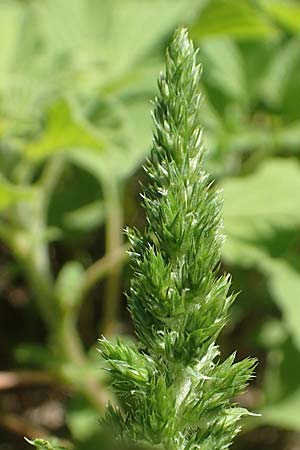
[75,82]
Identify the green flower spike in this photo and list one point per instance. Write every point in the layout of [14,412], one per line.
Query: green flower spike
[174,391]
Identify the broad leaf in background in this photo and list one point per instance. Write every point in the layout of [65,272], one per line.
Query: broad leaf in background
[10,16]
[257,203]
[231,18]
[64,131]
[42,444]
[104,39]
[286,12]
[256,208]
[278,74]
[223,66]
[284,284]
[281,388]
[11,194]
[127,142]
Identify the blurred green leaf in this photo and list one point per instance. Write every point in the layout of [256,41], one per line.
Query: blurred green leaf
[231,18]
[76,193]
[46,445]
[255,204]
[284,414]
[81,419]
[289,136]
[86,217]
[255,207]
[286,12]
[128,143]
[107,38]
[224,67]
[281,388]
[272,334]
[64,131]
[68,284]
[284,284]
[283,280]
[278,74]
[11,194]
[33,355]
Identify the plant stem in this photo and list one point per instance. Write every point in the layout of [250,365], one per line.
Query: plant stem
[20,426]
[72,350]
[29,244]
[104,265]
[114,241]
[33,259]
[10,380]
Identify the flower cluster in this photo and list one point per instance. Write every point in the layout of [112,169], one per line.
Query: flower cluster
[174,391]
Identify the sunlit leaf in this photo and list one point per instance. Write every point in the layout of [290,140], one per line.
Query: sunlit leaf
[232,18]
[281,388]
[284,414]
[109,37]
[284,284]
[10,194]
[256,207]
[64,131]
[42,444]
[286,12]
[279,71]
[256,203]
[223,65]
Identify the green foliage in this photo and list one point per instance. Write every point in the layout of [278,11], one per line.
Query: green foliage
[228,17]
[63,132]
[256,206]
[41,444]
[173,388]
[75,82]
[11,194]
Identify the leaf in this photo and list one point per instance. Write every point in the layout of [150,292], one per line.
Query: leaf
[76,203]
[128,143]
[255,208]
[46,445]
[284,414]
[284,284]
[68,284]
[282,279]
[63,131]
[11,194]
[286,12]
[108,37]
[10,18]
[255,204]
[85,218]
[289,136]
[281,389]
[232,18]
[223,66]
[278,75]
[81,419]
[33,355]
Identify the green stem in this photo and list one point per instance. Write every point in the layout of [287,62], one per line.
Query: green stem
[62,328]
[32,254]
[72,351]
[28,243]
[114,241]
[100,268]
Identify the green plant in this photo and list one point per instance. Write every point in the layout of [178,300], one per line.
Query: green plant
[173,389]
[74,109]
